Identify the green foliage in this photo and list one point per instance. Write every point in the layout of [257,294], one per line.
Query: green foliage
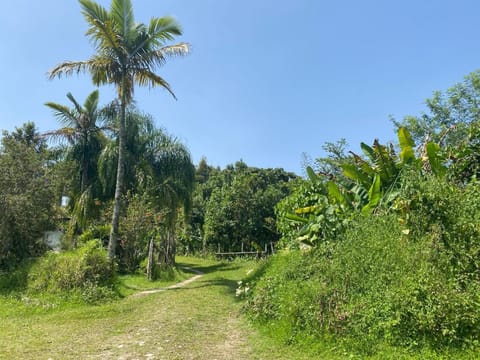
[86,269]
[410,283]
[137,228]
[395,261]
[448,114]
[27,200]
[99,233]
[371,289]
[325,203]
[465,158]
[82,130]
[239,211]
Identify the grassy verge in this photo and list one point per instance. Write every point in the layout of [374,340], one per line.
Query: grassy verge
[132,283]
[202,320]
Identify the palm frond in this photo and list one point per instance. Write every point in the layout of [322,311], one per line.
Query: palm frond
[70,67]
[75,103]
[148,78]
[164,29]
[102,28]
[63,113]
[107,167]
[66,133]
[121,12]
[91,103]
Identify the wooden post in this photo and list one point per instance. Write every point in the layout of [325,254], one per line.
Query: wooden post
[150,260]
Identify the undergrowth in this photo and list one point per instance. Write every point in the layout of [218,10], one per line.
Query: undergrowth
[384,288]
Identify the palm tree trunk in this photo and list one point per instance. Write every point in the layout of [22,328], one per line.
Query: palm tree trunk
[112,243]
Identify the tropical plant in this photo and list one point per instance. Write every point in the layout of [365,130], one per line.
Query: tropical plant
[364,185]
[127,54]
[83,131]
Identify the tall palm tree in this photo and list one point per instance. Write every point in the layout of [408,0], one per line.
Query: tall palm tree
[127,54]
[157,165]
[82,131]
[174,176]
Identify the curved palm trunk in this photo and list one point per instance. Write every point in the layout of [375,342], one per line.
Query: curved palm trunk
[122,138]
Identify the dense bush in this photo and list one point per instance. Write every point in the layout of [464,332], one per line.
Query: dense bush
[138,226]
[86,270]
[403,280]
[389,279]
[27,202]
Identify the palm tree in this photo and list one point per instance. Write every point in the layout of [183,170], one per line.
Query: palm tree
[173,175]
[127,54]
[157,165]
[86,140]
[80,130]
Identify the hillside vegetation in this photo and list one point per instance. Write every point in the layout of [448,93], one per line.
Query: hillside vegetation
[382,251]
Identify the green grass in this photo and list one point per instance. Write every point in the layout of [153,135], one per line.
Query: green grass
[200,321]
[131,283]
[203,320]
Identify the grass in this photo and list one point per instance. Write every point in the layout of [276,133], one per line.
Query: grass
[202,320]
[131,283]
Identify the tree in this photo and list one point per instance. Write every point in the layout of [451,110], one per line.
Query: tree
[28,135]
[127,54]
[81,131]
[239,213]
[86,140]
[448,113]
[159,180]
[27,197]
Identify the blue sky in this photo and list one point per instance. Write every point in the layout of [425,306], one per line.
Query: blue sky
[267,80]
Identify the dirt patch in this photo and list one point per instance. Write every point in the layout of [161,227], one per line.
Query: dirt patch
[174,286]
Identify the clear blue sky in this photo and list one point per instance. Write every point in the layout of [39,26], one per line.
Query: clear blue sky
[267,80]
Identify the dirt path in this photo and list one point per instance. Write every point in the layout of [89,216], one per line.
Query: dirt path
[174,286]
[197,319]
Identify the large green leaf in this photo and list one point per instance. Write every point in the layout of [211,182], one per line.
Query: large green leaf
[435,159]
[295,217]
[352,172]
[311,174]
[368,150]
[335,194]
[405,138]
[407,152]
[374,195]
[363,165]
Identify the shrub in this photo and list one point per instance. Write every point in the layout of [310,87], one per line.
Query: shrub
[136,229]
[161,272]
[413,282]
[99,232]
[79,269]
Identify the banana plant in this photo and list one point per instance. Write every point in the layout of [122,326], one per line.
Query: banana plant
[367,183]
